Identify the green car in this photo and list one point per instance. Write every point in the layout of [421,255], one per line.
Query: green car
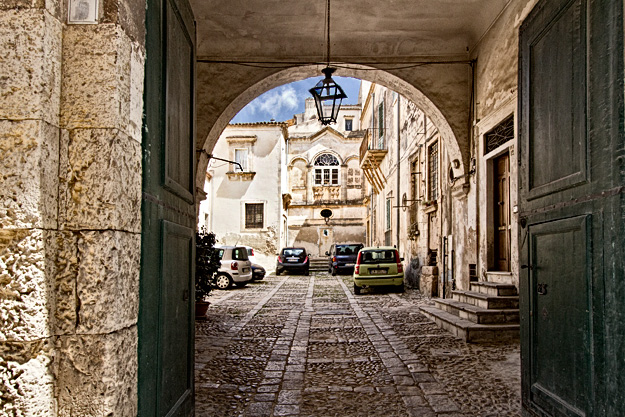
[378,266]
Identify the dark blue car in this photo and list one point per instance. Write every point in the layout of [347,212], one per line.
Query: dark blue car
[343,257]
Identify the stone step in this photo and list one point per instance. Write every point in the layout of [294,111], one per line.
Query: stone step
[476,314]
[469,331]
[494,288]
[485,300]
[318,268]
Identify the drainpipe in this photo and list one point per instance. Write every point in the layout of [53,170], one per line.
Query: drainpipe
[398,201]
[286,211]
[443,273]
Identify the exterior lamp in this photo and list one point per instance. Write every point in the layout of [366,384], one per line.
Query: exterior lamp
[328,97]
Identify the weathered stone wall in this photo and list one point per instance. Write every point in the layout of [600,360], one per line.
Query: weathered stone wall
[70,137]
[496,95]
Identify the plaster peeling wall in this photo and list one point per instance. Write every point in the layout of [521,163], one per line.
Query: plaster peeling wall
[70,138]
[497,58]
[496,94]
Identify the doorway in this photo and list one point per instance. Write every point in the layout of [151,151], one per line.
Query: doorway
[501,212]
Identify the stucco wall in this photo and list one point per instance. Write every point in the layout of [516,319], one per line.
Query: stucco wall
[70,128]
[230,192]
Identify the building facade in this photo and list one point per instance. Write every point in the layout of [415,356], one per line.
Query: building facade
[245,206]
[289,172]
[323,173]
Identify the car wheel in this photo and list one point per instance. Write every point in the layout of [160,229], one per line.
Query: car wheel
[223,281]
[330,269]
[357,289]
[307,272]
[334,272]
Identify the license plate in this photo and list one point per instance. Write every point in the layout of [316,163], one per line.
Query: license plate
[377,271]
[292,259]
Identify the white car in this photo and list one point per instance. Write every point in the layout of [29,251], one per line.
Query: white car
[235,267]
[250,254]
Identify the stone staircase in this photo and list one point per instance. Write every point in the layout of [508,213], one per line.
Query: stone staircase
[488,312]
[318,264]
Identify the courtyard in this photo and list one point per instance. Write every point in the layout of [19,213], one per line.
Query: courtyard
[307,346]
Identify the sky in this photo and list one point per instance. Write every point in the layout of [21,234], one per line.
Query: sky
[283,102]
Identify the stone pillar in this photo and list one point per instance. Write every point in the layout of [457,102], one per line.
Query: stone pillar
[70,184]
[30,90]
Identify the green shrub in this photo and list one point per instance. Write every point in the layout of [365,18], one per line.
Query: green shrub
[206,263]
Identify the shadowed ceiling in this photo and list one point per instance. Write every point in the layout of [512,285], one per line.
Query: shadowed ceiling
[361,31]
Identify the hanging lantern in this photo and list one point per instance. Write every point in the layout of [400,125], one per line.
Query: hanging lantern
[328,97]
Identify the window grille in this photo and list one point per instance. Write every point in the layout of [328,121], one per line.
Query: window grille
[433,172]
[254,215]
[499,135]
[415,178]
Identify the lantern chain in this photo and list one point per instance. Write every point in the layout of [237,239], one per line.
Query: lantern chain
[328,33]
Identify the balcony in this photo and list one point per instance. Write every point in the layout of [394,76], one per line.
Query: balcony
[372,152]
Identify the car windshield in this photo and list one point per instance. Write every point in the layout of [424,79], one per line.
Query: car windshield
[239,254]
[347,249]
[378,256]
[293,252]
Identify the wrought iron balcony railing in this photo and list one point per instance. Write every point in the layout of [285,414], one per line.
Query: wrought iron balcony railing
[374,140]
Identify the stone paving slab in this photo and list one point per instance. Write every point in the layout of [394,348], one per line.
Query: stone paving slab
[307,346]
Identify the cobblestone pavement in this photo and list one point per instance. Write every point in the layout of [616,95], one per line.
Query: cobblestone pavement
[307,346]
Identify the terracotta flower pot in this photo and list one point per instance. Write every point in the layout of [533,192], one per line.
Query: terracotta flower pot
[201,307]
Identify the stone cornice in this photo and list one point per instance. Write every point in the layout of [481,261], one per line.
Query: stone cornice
[241,139]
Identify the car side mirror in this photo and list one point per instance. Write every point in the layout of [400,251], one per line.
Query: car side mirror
[327,253]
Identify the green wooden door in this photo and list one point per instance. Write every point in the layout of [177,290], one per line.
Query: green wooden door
[571,180]
[168,210]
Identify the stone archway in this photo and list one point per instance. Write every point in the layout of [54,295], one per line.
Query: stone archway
[449,115]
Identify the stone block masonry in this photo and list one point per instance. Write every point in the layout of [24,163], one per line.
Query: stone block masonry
[70,186]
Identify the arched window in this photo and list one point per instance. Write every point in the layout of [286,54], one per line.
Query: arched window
[326,170]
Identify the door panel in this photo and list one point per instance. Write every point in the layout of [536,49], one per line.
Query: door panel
[178,106]
[556,79]
[560,315]
[168,213]
[176,358]
[571,193]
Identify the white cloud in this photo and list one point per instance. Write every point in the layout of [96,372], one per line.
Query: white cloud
[274,102]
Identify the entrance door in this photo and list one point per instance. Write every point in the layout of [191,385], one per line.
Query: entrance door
[502,212]
[168,225]
[571,234]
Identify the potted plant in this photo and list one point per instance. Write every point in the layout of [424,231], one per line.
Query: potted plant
[206,265]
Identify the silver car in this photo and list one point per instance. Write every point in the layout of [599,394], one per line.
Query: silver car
[235,267]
